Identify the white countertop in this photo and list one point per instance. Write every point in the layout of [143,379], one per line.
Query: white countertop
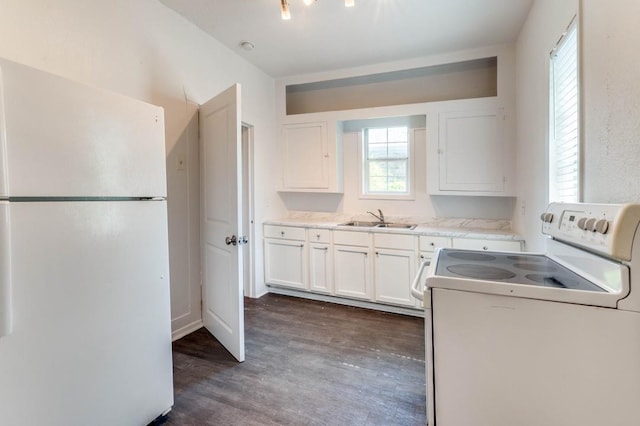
[450,227]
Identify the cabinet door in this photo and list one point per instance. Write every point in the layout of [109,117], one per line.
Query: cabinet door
[352,271]
[306,156]
[471,151]
[394,271]
[285,263]
[320,268]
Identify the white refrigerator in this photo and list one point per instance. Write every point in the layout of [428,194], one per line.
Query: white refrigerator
[85,333]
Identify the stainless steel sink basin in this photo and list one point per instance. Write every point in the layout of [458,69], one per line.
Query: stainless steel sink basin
[360,224]
[365,224]
[396,225]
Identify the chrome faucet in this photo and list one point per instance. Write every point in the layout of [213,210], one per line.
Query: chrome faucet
[380,217]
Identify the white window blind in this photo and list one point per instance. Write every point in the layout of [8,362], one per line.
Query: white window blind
[564,154]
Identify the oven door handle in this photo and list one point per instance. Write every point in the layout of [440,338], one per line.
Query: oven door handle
[416,291]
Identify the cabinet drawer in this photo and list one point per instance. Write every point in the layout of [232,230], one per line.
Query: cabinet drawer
[319,236]
[486,245]
[395,241]
[347,238]
[286,232]
[429,243]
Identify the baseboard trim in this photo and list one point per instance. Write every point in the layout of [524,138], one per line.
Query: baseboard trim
[187,329]
[348,302]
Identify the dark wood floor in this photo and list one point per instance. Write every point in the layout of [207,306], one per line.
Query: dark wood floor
[307,363]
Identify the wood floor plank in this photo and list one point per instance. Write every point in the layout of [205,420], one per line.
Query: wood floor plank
[307,363]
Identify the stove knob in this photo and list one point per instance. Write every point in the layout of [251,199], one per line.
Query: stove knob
[582,223]
[546,217]
[602,226]
[591,225]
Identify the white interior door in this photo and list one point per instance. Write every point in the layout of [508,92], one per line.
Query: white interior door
[222,292]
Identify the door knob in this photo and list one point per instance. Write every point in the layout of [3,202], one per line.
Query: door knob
[231,240]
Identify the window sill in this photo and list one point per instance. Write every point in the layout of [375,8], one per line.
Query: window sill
[391,197]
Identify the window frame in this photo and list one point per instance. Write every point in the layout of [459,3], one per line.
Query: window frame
[363,172]
[552,160]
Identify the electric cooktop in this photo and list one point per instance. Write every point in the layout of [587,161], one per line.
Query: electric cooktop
[527,269]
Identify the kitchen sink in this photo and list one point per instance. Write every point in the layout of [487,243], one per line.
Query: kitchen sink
[360,224]
[396,225]
[365,224]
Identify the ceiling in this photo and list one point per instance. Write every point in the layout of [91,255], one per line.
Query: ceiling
[327,36]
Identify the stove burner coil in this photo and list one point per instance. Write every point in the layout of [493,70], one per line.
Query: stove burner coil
[481,272]
[535,267]
[465,255]
[526,258]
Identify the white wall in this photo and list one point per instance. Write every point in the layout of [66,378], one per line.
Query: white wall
[610,38]
[611,74]
[546,22]
[145,50]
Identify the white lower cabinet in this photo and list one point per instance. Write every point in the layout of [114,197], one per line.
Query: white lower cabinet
[320,268]
[352,271]
[373,266]
[285,257]
[394,271]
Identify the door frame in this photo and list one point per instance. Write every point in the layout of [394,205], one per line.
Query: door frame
[249,209]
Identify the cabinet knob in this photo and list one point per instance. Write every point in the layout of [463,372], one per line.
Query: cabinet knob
[485,248]
[318,236]
[282,233]
[432,244]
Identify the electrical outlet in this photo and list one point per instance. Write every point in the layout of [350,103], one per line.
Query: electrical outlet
[180,163]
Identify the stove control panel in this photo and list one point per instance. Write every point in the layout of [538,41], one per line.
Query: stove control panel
[605,228]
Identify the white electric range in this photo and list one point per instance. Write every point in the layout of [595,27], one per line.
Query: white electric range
[539,339]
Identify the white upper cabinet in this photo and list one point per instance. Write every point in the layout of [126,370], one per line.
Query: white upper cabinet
[305,156]
[468,152]
[311,160]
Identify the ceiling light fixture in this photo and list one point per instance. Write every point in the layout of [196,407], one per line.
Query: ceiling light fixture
[286,13]
[284,9]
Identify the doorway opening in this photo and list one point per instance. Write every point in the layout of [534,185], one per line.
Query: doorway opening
[248,228]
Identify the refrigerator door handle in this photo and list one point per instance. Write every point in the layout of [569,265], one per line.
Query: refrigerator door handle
[5,271]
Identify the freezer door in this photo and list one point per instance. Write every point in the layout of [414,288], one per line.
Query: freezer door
[62,138]
[91,338]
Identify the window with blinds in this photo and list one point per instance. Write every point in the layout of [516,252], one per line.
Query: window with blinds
[564,149]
